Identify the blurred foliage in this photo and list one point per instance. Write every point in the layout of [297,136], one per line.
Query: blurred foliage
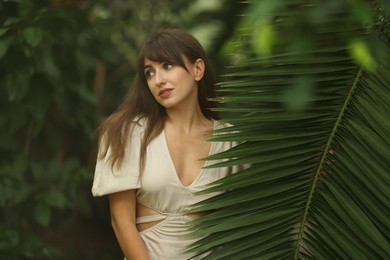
[64,65]
[310,85]
[266,33]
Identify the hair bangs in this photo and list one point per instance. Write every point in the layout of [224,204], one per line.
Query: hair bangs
[164,49]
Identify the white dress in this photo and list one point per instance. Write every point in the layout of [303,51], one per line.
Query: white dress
[160,190]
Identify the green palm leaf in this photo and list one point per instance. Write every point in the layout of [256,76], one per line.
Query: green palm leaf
[299,199]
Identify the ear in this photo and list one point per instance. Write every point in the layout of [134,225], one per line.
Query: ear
[199,68]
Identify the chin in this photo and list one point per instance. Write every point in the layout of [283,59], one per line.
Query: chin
[167,105]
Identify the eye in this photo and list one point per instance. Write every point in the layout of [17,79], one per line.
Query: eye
[167,66]
[149,73]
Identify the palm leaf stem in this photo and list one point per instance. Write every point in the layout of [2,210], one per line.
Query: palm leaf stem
[323,161]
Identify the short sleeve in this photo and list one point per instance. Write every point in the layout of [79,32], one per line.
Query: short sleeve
[109,179]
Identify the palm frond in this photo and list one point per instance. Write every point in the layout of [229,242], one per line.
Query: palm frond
[319,182]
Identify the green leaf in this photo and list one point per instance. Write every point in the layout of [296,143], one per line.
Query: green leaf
[263,39]
[17,84]
[5,43]
[3,30]
[11,21]
[42,214]
[55,199]
[33,36]
[362,55]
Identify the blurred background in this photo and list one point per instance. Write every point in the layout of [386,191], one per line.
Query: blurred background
[64,66]
[67,64]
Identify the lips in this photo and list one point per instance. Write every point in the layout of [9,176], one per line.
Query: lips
[165,92]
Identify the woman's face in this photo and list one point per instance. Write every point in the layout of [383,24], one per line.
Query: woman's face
[171,85]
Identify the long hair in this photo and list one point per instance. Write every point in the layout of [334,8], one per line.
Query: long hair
[172,46]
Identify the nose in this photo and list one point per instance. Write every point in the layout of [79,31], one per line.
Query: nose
[159,78]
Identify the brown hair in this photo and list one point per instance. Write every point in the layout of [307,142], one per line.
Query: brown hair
[172,46]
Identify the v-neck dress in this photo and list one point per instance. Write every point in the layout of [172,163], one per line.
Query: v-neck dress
[160,189]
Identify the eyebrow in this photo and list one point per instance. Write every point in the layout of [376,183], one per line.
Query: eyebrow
[147,66]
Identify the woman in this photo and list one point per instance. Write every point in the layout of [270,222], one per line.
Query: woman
[150,149]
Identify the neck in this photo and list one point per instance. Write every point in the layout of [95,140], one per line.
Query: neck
[187,119]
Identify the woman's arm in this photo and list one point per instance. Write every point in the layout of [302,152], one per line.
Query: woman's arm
[123,217]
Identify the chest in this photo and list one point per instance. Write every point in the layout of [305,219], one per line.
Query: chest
[186,154]
[163,191]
